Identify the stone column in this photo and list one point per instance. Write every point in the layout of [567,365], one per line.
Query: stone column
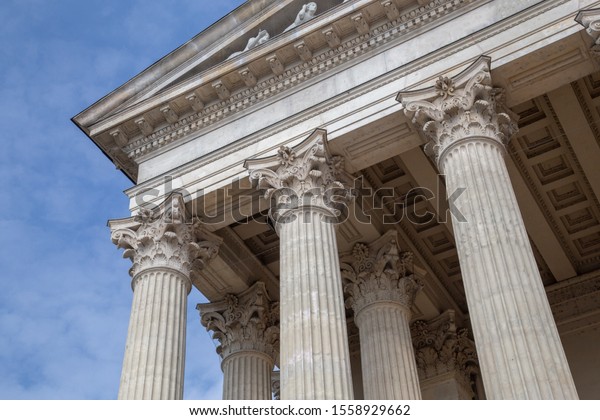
[304,183]
[519,349]
[246,326]
[446,359]
[381,290]
[166,249]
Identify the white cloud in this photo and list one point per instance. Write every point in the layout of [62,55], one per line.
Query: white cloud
[66,295]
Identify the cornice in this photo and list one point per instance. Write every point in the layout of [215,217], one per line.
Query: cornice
[226,66]
[356,92]
[404,27]
[264,11]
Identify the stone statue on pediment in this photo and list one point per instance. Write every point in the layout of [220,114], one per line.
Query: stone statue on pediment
[262,37]
[305,14]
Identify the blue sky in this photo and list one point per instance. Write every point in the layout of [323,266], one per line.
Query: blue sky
[65,292]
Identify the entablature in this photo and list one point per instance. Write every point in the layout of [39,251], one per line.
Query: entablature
[136,131]
[215,156]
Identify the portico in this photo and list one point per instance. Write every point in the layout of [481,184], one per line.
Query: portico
[295,180]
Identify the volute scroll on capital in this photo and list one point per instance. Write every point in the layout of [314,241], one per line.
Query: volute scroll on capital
[463,107]
[166,237]
[306,175]
[590,20]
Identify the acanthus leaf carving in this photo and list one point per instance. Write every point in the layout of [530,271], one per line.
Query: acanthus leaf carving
[441,348]
[379,273]
[462,107]
[245,322]
[166,237]
[304,176]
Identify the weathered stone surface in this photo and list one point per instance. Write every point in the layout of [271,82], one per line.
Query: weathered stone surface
[517,341]
[380,287]
[315,361]
[247,328]
[166,247]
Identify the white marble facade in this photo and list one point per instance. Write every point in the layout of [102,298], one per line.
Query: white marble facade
[289,172]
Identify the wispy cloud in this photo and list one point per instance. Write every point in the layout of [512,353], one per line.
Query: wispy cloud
[65,301]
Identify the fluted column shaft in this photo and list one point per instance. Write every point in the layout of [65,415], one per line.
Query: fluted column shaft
[246,326]
[520,352]
[247,376]
[381,288]
[517,341]
[315,360]
[309,189]
[387,355]
[167,247]
[153,366]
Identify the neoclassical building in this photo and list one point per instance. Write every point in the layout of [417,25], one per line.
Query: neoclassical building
[380,199]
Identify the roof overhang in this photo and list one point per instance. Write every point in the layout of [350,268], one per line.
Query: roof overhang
[197,85]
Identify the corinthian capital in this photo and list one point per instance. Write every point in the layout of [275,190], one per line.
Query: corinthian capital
[379,273]
[590,20]
[465,106]
[165,238]
[442,348]
[302,176]
[245,322]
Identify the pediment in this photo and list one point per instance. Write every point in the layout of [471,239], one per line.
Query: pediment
[200,83]
[206,50]
[272,18]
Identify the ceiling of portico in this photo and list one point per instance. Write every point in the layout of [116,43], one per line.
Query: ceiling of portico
[553,162]
[556,154]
